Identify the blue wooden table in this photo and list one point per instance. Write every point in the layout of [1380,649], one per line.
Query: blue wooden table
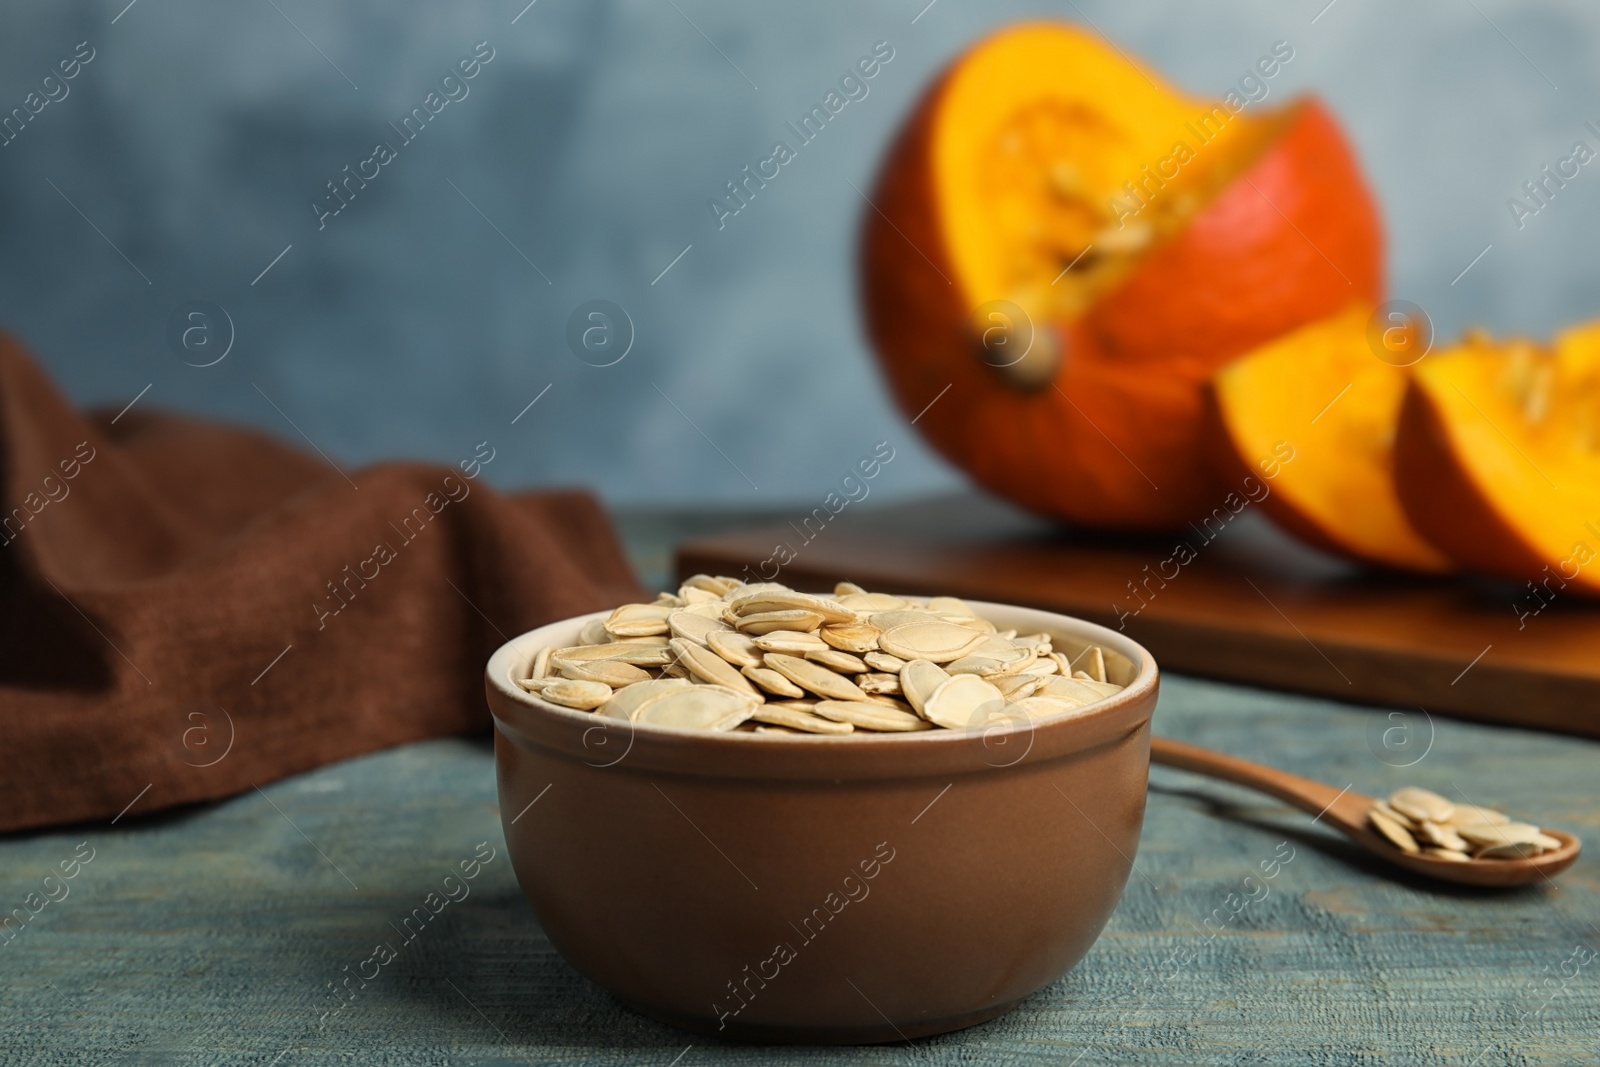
[223,935]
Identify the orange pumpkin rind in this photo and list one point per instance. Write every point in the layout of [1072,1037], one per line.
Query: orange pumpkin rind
[1270,227]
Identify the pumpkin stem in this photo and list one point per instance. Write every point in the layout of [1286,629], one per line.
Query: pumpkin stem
[1023,353]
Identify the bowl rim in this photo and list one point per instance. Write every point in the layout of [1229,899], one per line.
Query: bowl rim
[524,719]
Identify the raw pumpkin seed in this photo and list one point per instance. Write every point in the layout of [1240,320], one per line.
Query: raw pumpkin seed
[1502,834]
[785,619]
[569,693]
[800,719]
[718,587]
[769,601]
[834,660]
[935,641]
[612,672]
[905,615]
[1458,833]
[949,605]
[882,661]
[541,663]
[877,684]
[630,699]
[918,681]
[962,701]
[1017,686]
[1472,815]
[1421,805]
[693,626]
[636,653]
[870,716]
[1451,854]
[638,620]
[1398,835]
[706,666]
[870,602]
[773,682]
[1039,707]
[699,707]
[791,641]
[721,655]
[853,637]
[735,647]
[815,678]
[1431,833]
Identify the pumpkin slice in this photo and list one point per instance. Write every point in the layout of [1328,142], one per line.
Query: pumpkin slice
[1321,392]
[1498,457]
[1071,249]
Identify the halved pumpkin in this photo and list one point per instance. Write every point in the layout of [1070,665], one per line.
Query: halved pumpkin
[1323,391]
[1498,456]
[1125,239]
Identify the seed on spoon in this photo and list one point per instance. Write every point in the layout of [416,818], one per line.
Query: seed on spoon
[1398,835]
[1414,815]
[1472,815]
[1451,854]
[1504,834]
[1403,820]
[1421,805]
[1432,833]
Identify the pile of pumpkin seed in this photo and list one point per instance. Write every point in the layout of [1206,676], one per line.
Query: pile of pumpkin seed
[1419,821]
[722,655]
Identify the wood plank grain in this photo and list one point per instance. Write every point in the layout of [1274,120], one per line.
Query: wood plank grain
[1249,606]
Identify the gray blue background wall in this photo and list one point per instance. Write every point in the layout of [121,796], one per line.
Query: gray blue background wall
[419,321]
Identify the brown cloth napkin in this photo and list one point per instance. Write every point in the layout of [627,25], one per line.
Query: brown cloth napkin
[188,610]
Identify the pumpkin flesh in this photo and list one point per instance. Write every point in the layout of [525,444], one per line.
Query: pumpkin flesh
[1498,456]
[1031,170]
[1322,390]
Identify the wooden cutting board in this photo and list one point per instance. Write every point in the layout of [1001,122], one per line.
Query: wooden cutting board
[1237,601]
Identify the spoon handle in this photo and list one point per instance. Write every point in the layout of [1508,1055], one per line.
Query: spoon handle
[1307,795]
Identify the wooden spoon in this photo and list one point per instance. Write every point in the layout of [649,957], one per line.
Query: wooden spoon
[1346,811]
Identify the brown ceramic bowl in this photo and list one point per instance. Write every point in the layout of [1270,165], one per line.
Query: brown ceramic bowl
[824,889]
